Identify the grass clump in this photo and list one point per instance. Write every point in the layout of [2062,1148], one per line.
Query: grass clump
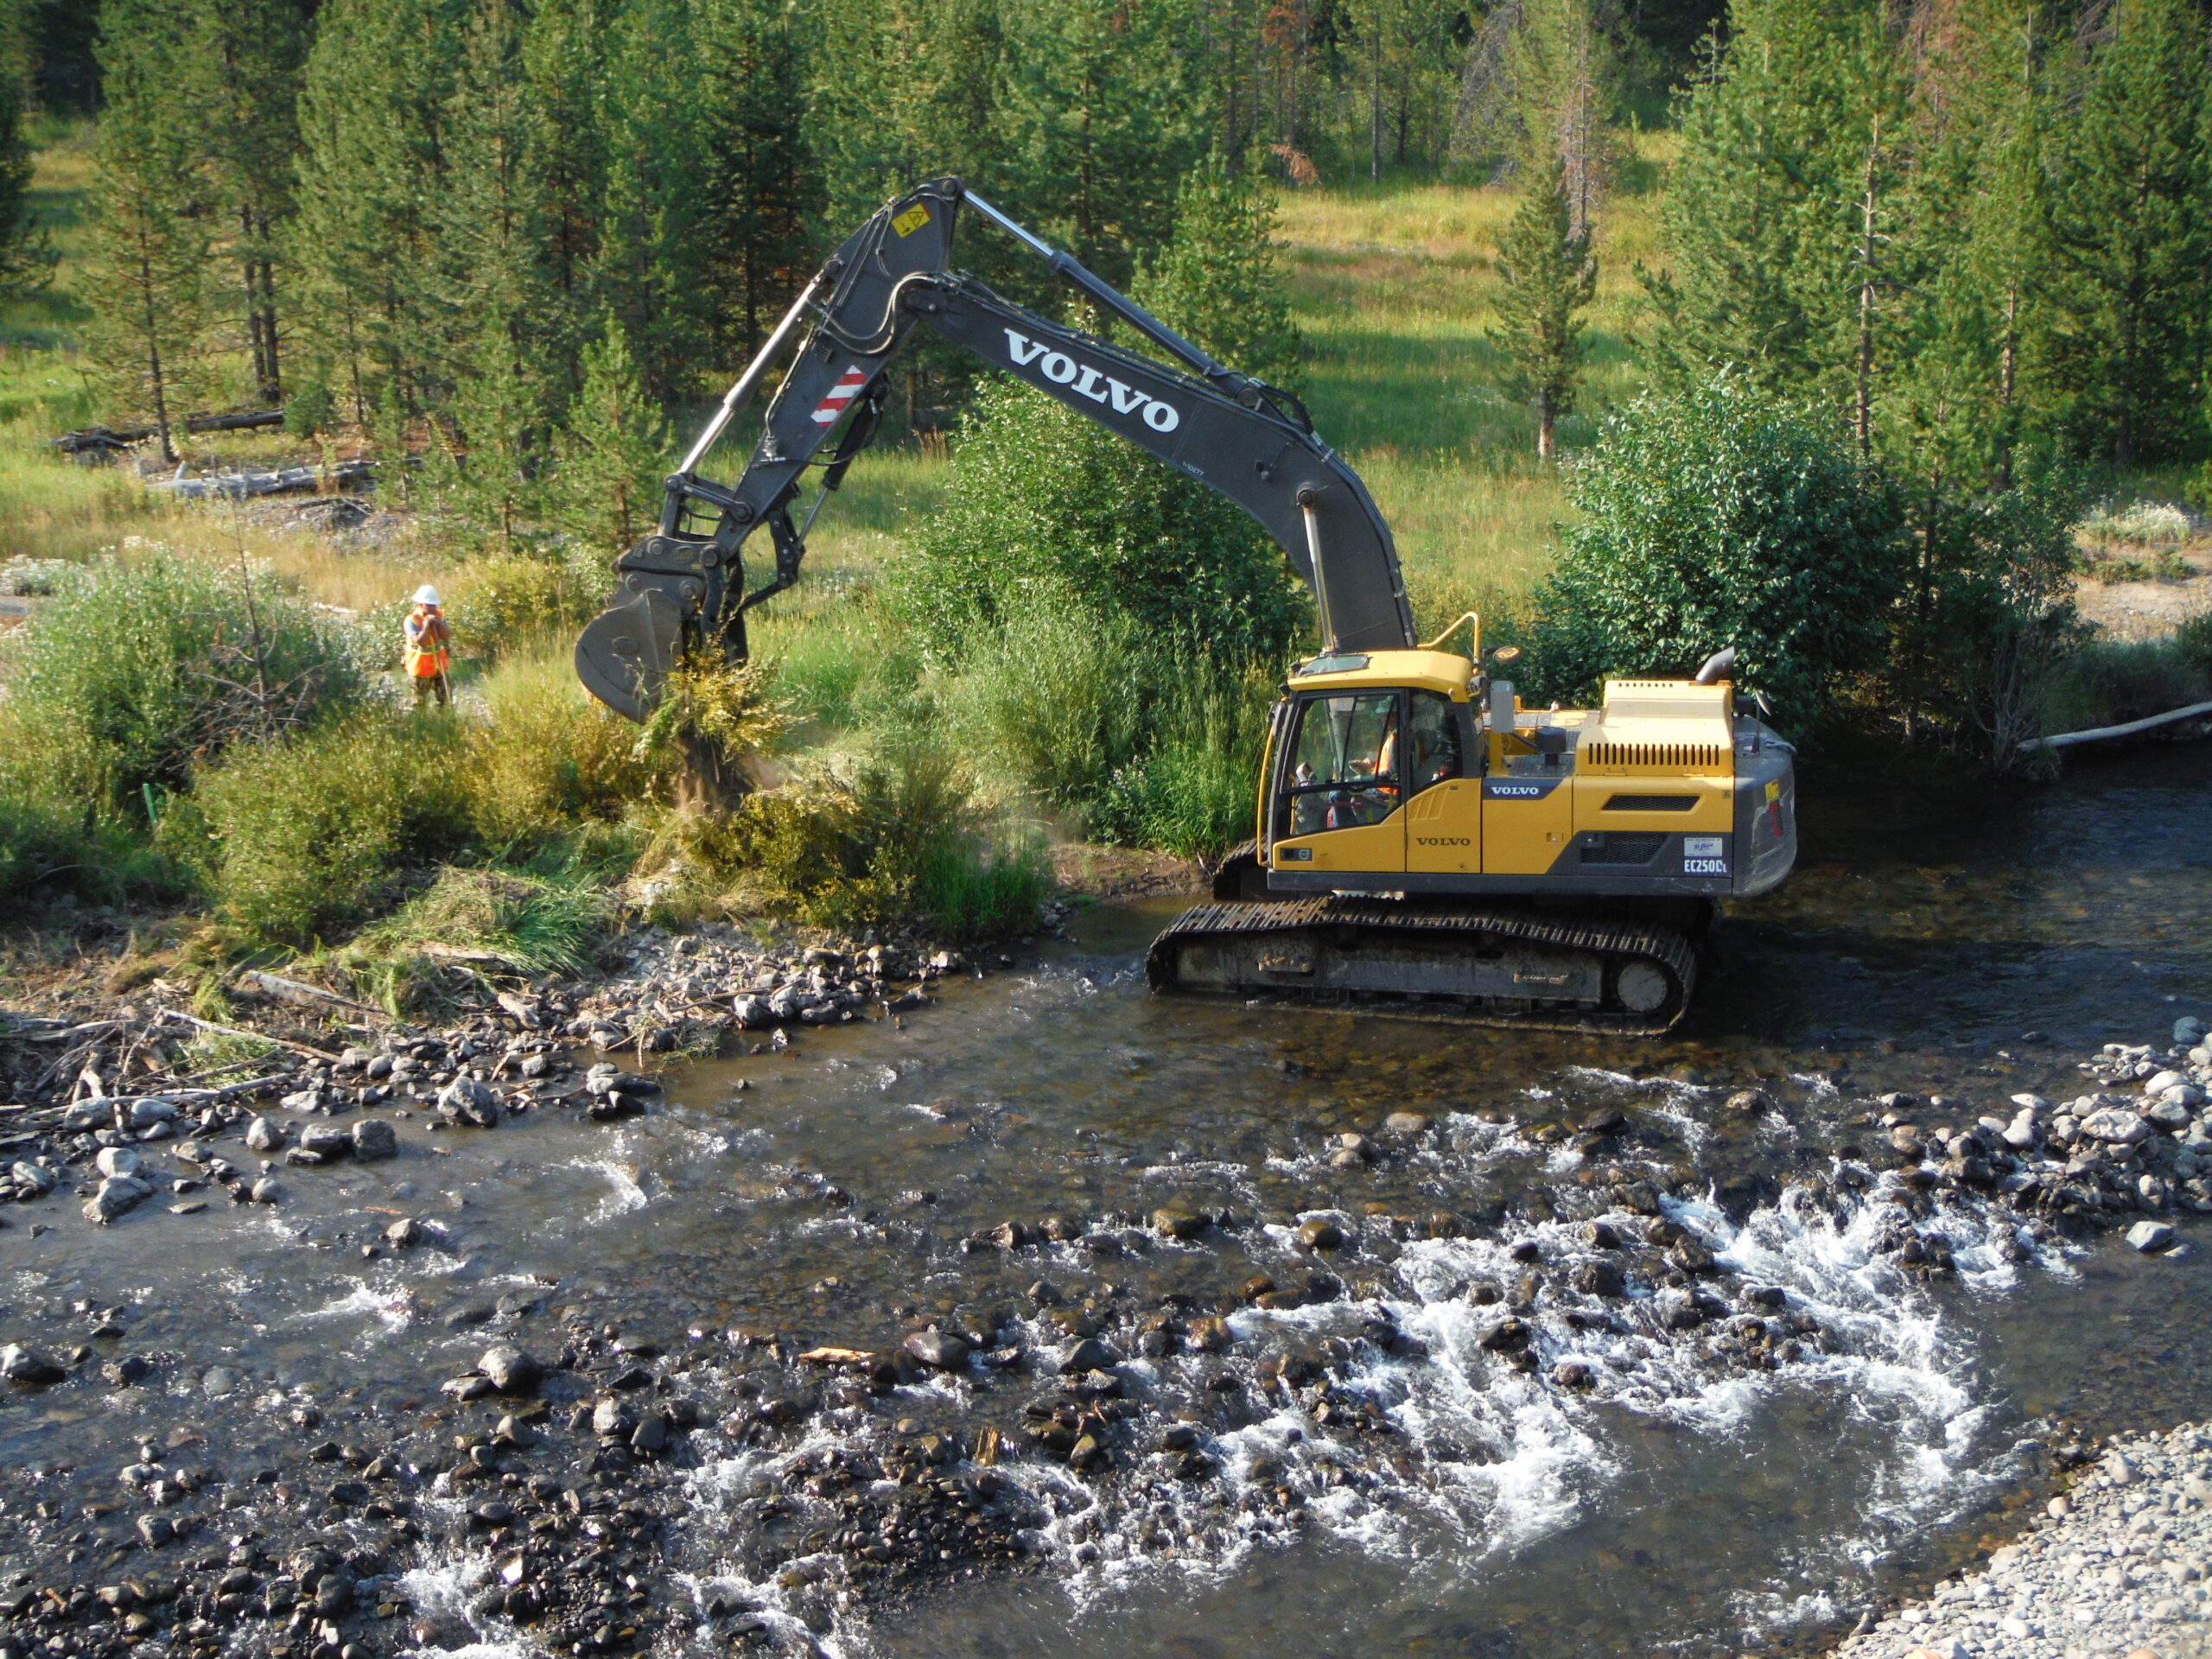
[532,924]
[2146,524]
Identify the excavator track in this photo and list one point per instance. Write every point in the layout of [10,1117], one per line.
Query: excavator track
[1500,965]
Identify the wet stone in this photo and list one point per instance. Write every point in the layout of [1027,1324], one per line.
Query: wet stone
[374,1140]
[20,1363]
[509,1368]
[1320,1233]
[937,1350]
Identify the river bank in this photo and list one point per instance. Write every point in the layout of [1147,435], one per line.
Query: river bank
[2117,1565]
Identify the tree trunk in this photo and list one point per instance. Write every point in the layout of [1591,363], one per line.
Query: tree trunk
[1546,415]
[1865,388]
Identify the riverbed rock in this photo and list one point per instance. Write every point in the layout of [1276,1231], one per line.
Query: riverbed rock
[20,1363]
[118,1195]
[403,1233]
[263,1136]
[2158,1082]
[2151,1236]
[153,1110]
[1087,1355]
[467,1101]
[1176,1223]
[36,1179]
[1405,1124]
[118,1160]
[2116,1127]
[375,1140]
[510,1370]
[938,1349]
[326,1140]
[1320,1233]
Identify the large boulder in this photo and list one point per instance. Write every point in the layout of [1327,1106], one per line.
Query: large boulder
[374,1138]
[467,1101]
[510,1370]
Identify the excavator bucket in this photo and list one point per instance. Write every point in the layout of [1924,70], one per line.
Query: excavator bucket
[625,653]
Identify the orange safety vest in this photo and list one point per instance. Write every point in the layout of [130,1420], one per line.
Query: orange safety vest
[427,635]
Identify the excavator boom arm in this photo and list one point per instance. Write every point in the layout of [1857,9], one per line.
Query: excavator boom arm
[1234,434]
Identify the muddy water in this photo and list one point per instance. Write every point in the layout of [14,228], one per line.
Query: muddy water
[1691,1501]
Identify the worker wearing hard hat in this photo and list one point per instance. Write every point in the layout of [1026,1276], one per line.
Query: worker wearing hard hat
[428,657]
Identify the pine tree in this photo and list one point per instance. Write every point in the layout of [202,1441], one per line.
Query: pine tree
[244,63]
[613,451]
[1566,84]
[1102,119]
[1547,276]
[503,320]
[26,257]
[1219,281]
[372,114]
[2132,237]
[563,65]
[749,247]
[1783,212]
[152,200]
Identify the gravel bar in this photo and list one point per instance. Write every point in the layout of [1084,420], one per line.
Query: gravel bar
[2116,1569]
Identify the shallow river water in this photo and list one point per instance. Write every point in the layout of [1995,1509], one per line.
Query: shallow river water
[1682,1503]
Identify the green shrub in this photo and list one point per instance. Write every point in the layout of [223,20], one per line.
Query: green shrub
[869,840]
[47,850]
[1716,517]
[300,839]
[1043,505]
[499,605]
[1050,700]
[138,671]
[1192,792]
[2193,639]
[551,759]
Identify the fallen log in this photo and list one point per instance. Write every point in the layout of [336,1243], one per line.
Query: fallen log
[2106,734]
[111,437]
[236,486]
[300,995]
[257,1036]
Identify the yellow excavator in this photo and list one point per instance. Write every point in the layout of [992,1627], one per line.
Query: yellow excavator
[1424,845]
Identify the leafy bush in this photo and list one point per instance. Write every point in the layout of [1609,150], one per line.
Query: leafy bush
[549,759]
[1192,792]
[1716,517]
[299,839]
[1051,701]
[47,850]
[1043,507]
[2193,639]
[139,670]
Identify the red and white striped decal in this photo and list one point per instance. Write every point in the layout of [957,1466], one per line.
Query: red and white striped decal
[847,388]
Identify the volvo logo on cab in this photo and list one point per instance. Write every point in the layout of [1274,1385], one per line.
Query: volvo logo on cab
[1064,370]
[1443,841]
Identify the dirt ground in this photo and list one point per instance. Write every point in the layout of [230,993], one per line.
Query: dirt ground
[1107,872]
[2152,610]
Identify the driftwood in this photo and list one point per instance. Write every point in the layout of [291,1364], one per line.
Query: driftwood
[282,481]
[300,995]
[112,438]
[257,1036]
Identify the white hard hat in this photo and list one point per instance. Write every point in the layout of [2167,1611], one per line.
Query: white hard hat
[427,594]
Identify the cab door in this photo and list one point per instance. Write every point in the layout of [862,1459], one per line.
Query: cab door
[1339,809]
[1443,810]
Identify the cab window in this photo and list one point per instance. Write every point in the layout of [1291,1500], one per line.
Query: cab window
[1434,736]
[1344,767]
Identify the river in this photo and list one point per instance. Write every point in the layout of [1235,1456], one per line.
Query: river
[1682,1502]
